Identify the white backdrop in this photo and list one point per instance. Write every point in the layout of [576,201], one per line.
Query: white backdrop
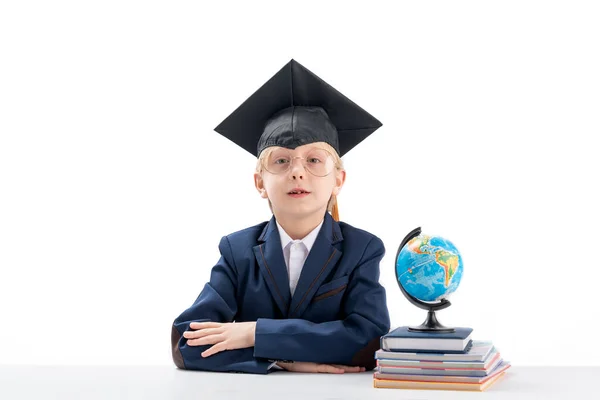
[115,190]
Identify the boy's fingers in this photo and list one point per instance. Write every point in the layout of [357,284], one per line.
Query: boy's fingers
[344,367]
[327,368]
[214,349]
[201,333]
[190,334]
[202,325]
[348,368]
[212,339]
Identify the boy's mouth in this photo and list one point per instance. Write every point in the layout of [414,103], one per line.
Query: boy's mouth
[298,192]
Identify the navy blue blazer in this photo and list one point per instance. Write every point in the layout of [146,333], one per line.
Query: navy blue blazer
[337,314]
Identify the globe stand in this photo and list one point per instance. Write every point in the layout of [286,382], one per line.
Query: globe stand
[431,323]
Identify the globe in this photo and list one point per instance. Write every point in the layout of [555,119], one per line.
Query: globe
[428,270]
[429,267]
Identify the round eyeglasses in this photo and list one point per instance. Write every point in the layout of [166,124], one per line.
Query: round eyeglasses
[318,162]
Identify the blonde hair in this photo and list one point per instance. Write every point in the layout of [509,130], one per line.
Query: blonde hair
[332,205]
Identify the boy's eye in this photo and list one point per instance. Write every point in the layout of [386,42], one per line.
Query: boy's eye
[281,161]
[313,160]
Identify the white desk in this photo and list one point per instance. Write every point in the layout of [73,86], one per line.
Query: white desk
[99,382]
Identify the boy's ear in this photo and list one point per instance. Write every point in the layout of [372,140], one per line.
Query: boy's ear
[340,178]
[260,186]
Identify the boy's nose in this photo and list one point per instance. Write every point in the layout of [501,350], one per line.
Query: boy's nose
[297,169]
[298,174]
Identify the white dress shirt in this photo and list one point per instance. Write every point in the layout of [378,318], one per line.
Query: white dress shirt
[295,253]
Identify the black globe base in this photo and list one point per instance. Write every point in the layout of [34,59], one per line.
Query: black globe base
[432,325]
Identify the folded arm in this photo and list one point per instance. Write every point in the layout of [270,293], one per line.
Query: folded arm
[216,303]
[352,340]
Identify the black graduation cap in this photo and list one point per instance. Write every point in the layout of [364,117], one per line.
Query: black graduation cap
[293,108]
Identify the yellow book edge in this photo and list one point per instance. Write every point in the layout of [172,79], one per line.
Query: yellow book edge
[425,385]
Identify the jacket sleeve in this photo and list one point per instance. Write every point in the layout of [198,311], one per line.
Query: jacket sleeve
[216,303]
[352,340]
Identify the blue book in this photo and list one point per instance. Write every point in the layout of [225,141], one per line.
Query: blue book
[479,351]
[401,339]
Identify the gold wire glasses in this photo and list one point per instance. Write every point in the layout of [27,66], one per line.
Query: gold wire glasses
[318,162]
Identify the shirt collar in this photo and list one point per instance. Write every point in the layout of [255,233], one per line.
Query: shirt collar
[308,240]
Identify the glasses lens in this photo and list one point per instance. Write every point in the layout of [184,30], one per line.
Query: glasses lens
[278,161]
[319,162]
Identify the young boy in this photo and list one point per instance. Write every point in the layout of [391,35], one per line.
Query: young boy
[300,292]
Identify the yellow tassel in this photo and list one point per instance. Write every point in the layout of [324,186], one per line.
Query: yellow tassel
[334,210]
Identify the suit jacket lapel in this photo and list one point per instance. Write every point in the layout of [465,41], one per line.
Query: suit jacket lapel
[269,256]
[323,256]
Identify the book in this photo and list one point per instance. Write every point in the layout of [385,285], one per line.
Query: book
[439,364]
[420,370]
[502,367]
[402,340]
[479,351]
[397,384]
[436,351]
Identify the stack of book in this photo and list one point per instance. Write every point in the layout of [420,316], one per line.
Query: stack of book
[444,361]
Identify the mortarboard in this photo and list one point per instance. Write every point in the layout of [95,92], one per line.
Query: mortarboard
[293,108]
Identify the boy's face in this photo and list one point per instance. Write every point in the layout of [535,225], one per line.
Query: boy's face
[292,186]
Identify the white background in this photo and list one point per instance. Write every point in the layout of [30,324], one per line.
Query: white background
[115,190]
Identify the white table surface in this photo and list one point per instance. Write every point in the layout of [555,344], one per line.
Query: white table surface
[119,382]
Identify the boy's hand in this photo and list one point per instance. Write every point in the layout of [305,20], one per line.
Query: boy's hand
[315,368]
[223,336]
